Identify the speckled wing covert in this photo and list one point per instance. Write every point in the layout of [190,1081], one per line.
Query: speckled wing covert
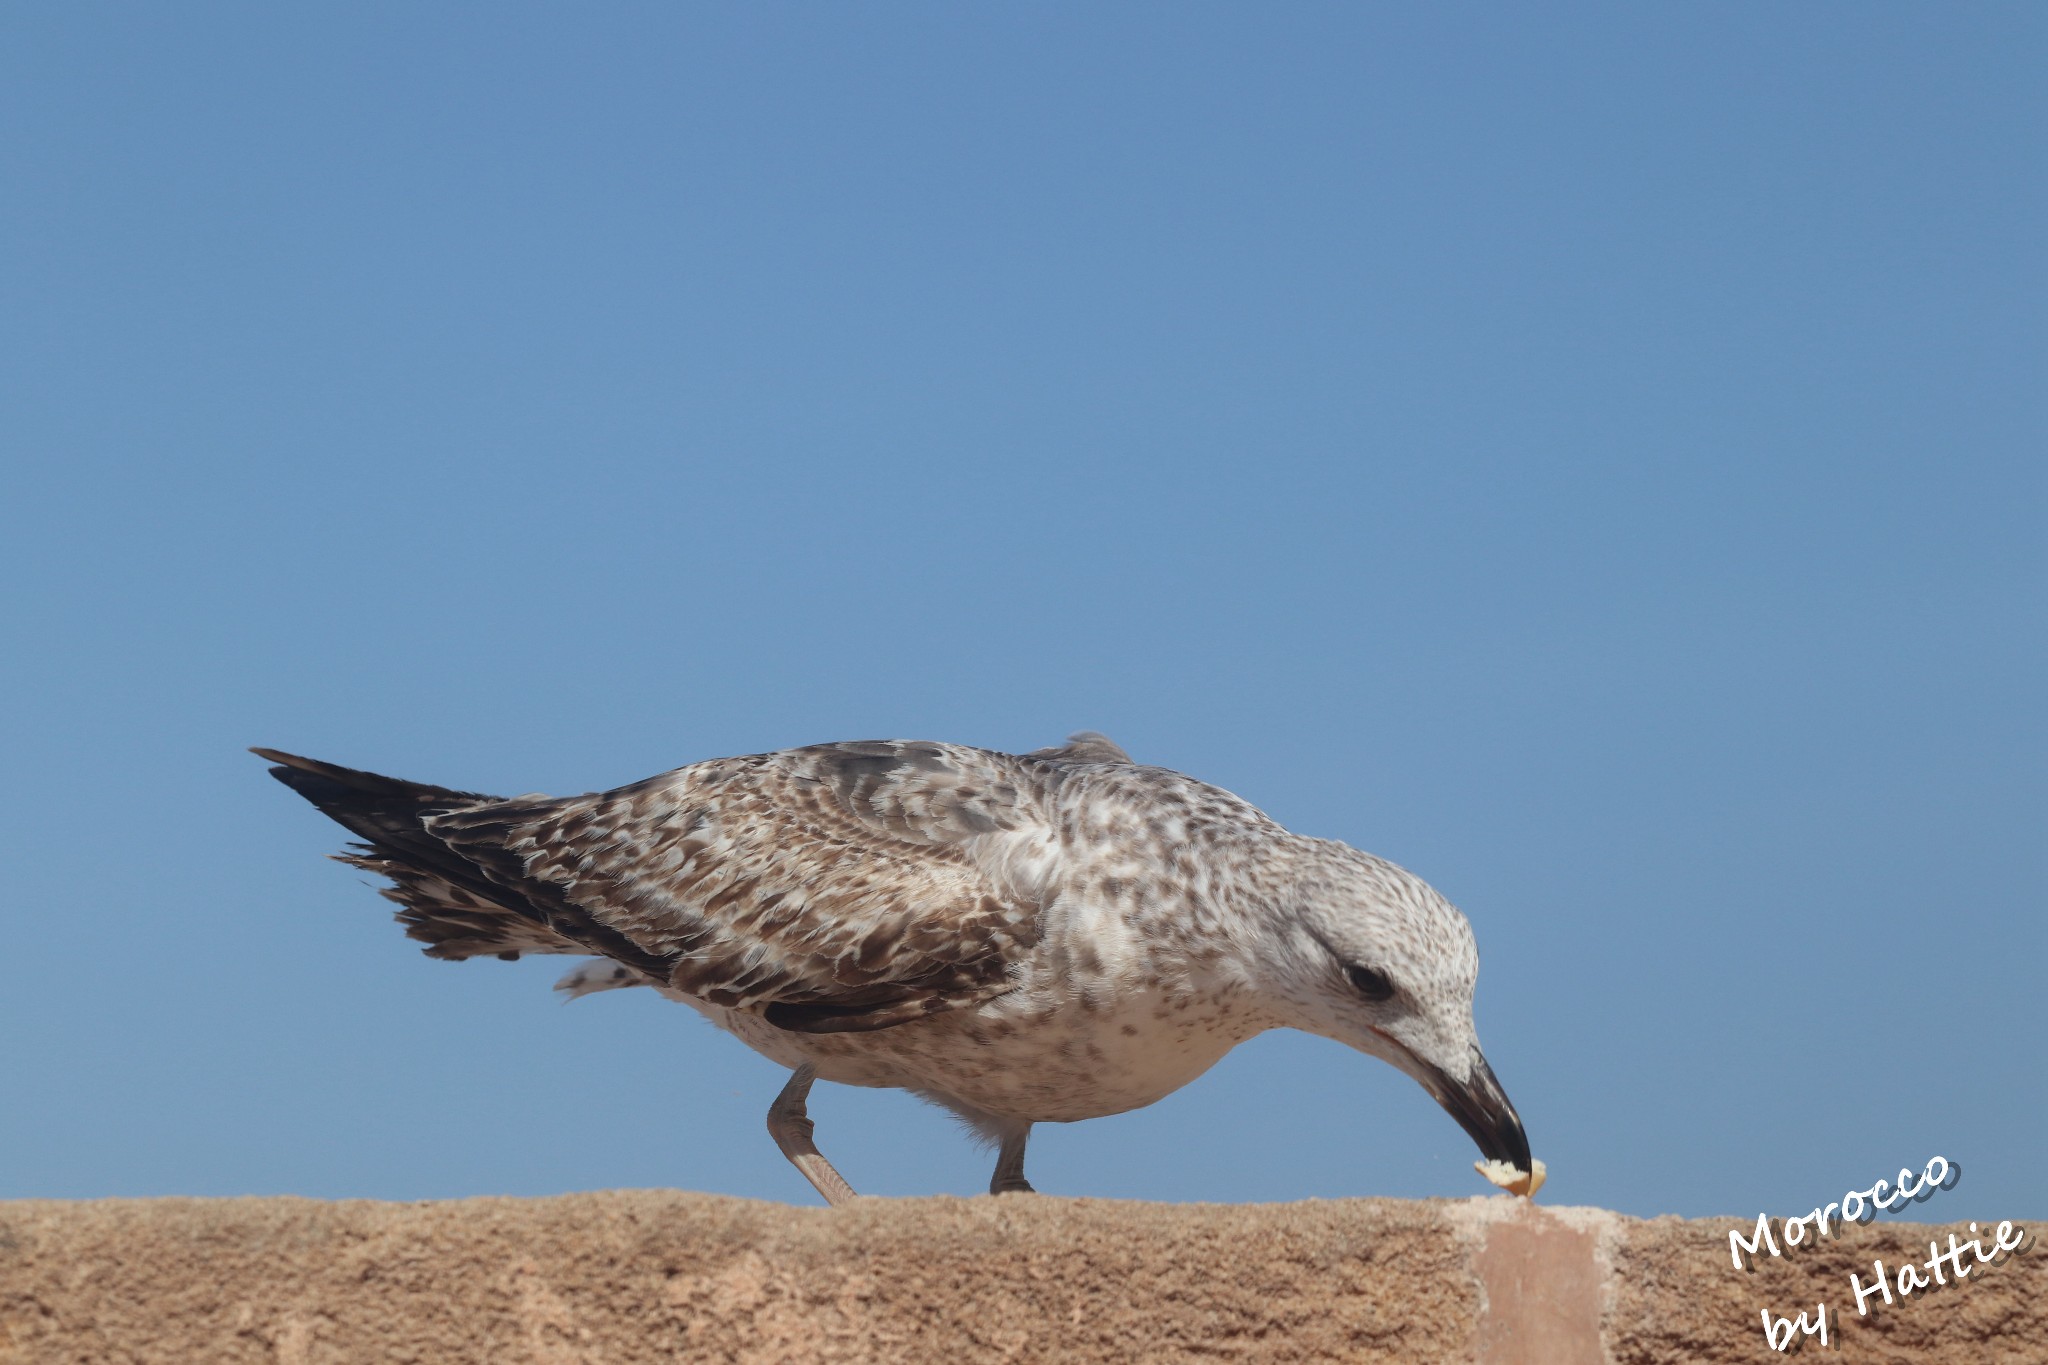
[835,888]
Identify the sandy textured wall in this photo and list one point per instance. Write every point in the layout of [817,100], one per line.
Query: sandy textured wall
[662,1276]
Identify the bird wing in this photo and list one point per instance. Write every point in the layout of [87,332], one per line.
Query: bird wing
[835,888]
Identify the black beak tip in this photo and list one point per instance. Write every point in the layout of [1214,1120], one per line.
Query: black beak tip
[1514,1144]
[1482,1109]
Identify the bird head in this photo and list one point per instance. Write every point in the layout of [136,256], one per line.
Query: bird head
[1373,957]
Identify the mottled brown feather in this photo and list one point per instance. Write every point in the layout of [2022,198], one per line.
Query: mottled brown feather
[836,888]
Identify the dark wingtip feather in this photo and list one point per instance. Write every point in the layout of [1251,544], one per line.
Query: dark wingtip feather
[318,782]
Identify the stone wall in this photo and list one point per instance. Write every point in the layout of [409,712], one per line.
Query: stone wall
[631,1276]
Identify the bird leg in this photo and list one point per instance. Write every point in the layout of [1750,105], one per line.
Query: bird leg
[1009,1176]
[790,1126]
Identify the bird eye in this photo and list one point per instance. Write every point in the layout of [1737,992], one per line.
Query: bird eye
[1373,985]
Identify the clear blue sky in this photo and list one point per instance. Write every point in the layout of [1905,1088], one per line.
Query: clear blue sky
[1588,454]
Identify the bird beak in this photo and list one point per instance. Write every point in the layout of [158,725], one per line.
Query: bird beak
[1481,1108]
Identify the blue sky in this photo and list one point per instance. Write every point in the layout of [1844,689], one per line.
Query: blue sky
[1588,454]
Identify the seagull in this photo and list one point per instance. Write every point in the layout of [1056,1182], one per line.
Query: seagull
[1019,938]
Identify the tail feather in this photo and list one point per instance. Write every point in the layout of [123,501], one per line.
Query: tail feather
[445,901]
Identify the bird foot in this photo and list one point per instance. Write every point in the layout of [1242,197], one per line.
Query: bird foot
[791,1128]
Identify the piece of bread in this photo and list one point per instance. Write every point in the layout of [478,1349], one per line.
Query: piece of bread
[1524,1183]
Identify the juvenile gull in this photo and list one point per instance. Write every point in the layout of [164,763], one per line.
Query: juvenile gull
[1021,938]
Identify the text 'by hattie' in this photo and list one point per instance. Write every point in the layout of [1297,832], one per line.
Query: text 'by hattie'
[1858,1206]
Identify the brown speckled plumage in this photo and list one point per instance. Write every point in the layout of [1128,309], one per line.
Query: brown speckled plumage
[1020,937]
